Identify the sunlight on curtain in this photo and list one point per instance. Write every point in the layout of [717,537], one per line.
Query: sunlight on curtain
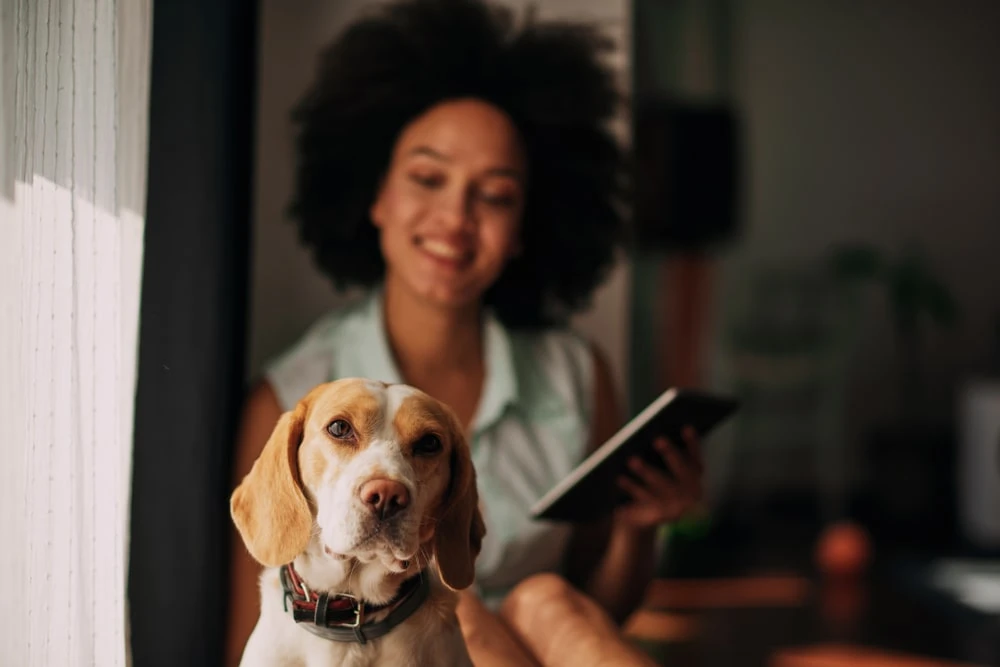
[75,76]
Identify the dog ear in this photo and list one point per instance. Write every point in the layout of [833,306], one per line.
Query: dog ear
[460,530]
[269,508]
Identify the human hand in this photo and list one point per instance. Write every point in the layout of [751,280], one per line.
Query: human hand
[659,497]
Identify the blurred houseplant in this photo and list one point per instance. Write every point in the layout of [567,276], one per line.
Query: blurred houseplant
[914,296]
[912,459]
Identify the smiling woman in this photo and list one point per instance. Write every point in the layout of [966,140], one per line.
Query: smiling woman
[462,169]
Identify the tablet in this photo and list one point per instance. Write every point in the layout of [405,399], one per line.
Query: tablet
[591,490]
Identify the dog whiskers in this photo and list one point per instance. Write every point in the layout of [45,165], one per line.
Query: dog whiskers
[421,555]
[350,574]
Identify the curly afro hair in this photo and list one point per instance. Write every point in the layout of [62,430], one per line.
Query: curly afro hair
[392,65]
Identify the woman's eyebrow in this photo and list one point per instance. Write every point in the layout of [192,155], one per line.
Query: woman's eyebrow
[503,170]
[430,152]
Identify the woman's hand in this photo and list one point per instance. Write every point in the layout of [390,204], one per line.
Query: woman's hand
[659,497]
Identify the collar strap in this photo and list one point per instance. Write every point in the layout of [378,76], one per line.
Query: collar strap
[341,617]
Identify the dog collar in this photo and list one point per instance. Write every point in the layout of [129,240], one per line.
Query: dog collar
[341,617]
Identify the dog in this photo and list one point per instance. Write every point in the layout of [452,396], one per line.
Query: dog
[363,509]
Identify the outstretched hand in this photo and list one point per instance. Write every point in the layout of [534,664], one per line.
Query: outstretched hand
[659,497]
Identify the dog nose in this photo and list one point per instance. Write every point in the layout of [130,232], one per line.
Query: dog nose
[385,497]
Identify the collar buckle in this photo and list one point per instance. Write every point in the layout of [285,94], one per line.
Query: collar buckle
[322,625]
[358,609]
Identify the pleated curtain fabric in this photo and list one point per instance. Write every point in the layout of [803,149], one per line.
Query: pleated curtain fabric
[74,78]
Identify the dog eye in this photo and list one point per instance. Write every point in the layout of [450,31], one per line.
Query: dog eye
[427,445]
[340,429]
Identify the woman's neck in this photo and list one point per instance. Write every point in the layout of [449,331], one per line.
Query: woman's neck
[426,340]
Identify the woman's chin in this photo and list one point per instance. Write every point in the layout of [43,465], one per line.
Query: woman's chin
[451,297]
[450,300]
[455,293]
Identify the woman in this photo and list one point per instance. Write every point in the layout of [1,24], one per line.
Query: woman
[461,170]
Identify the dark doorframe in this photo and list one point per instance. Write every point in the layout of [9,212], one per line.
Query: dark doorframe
[192,326]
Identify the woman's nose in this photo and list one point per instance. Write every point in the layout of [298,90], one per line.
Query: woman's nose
[455,209]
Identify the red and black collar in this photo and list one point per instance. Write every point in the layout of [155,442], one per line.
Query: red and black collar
[341,617]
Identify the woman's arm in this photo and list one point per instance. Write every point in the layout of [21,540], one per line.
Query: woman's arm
[614,565]
[260,414]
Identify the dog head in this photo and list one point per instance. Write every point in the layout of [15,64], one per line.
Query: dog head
[367,471]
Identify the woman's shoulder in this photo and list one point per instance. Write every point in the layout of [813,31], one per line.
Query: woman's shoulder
[556,349]
[310,359]
[559,360]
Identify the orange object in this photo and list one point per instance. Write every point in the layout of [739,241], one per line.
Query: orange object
[835,655]
[684,320]
[755,591]
[660,626]
[843,550]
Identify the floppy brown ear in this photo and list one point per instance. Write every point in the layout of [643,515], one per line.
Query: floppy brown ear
[268,507]
[460,530]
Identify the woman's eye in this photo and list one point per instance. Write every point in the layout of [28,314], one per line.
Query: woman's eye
[427,445]
[499,201]
[340,429]
[426,180]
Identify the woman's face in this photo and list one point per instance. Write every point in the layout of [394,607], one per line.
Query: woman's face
[449,207]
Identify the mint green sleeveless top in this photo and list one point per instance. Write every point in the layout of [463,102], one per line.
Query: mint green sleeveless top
[531,428]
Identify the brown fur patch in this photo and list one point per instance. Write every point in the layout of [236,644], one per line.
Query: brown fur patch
[460,527]
[419,414]
[269,509]
[353,402]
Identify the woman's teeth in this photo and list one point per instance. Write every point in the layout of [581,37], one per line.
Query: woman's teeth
[443,250]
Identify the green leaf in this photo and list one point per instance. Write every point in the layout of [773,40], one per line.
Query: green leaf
[856,262]
[941,305]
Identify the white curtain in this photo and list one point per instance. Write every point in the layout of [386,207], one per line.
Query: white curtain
[74,78]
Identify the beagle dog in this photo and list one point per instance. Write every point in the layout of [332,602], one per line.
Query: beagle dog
[364,511]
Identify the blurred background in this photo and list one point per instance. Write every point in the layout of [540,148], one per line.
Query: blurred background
[817,227]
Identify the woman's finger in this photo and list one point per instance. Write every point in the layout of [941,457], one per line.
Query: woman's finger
[636,491]
[693,444]
[679,467]
[687,476]
[657,483]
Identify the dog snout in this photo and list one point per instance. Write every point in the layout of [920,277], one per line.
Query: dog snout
[384,497]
